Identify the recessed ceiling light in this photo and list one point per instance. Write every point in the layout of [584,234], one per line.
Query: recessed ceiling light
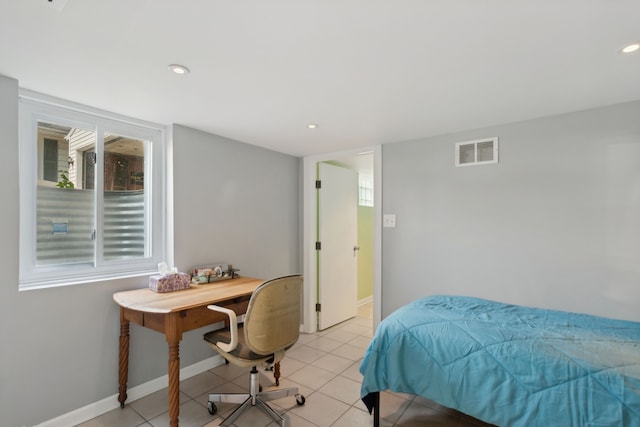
[312,125]
[178,69]
[630,48]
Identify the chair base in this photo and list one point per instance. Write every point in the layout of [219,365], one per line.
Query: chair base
[254,398]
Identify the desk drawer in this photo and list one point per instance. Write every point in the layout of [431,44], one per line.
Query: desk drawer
[198,317]
[190,319]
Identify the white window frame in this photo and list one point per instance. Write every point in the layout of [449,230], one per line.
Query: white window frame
[34,108]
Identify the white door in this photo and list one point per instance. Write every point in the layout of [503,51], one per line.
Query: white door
[338,236]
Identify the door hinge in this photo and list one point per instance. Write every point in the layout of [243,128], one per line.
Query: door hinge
[318,184]
[318,246]
[318,308]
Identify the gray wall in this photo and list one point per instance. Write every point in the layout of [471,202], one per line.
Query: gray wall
[556,223]
[235,203]
[59,347]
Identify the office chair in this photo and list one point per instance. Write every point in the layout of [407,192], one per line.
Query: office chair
[271,326]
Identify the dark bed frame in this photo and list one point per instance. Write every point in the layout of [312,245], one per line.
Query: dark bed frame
[372,401]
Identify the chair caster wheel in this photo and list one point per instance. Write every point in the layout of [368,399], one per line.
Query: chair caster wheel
[213,409]
[300,399]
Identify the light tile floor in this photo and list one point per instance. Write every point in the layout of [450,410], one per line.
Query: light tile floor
[325,368]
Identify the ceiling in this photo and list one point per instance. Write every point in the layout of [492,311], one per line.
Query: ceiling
[367,72]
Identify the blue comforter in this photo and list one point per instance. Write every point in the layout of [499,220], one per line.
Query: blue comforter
[509,365]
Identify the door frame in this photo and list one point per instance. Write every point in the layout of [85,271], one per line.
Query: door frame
[310,214]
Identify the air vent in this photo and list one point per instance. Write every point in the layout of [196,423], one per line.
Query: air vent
[478,152]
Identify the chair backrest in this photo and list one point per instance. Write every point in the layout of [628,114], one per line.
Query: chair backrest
[272,322]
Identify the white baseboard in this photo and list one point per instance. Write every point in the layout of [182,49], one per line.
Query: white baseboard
[366,300]
[107,404]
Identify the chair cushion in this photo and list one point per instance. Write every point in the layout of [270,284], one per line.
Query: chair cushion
[242,351]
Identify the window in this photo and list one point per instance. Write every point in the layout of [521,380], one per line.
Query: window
[50,160]
[92,199]
[365,191]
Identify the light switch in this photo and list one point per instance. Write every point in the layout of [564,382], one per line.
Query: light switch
[389,221]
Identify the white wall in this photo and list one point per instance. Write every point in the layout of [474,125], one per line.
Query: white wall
[59,347]
[555,224]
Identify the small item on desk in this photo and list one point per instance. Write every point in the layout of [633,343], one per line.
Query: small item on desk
[213,272]
[169,279]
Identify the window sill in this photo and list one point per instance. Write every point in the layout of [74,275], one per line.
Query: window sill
[36,284]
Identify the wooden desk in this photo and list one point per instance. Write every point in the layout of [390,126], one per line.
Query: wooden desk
[173,313]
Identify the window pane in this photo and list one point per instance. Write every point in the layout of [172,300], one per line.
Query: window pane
[65,211]
[124,198]
[366,190]
[50,160]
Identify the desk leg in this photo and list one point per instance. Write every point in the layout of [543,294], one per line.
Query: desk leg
[124,358]
[174,335]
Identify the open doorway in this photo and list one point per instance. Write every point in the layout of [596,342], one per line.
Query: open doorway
[367,164]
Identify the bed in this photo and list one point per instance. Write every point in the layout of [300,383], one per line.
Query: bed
[507,365]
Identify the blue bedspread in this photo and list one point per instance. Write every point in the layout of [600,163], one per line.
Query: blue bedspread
[509,365]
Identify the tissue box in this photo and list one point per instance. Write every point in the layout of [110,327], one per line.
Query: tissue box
[169,282]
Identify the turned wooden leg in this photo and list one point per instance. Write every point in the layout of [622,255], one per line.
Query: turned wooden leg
[174,334]
[276,373]
[124,358]
[174,384]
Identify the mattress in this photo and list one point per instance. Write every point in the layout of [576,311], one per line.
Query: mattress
[509,365]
